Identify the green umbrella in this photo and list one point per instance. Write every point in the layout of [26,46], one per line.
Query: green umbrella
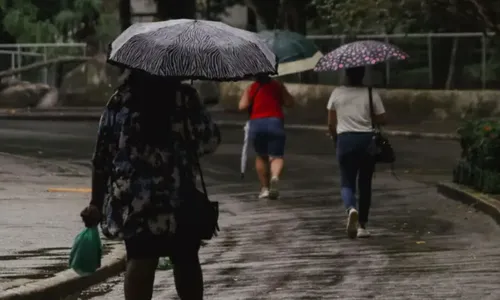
[295,52]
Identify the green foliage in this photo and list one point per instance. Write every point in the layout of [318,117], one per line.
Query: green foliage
[31,21]
[354,16]
[480,141]
[107,28]
[470,175]
[388,16]
[480,164]
[21,21]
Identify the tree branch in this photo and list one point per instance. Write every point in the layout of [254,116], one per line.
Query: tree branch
[487,15]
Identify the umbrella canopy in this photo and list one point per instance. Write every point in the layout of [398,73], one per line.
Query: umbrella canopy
[295,52]
[193,49]
[358,54]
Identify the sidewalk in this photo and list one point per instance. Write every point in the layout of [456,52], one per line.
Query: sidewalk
[296,248]
[37,227]
[487,203]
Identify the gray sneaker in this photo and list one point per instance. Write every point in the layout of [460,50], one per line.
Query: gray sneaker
[363,233]
[352,223]
[264,193]
[273,188]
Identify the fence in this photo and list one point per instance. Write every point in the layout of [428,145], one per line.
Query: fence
[17,55]
[437,60]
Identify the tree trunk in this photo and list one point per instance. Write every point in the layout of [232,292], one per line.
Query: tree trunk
[451,69]
[175,9]
[268,11]
[251,20]
[488,13]
[125,14]
[208,9]
[295,17]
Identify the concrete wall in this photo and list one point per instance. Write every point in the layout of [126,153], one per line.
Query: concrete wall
[403,106]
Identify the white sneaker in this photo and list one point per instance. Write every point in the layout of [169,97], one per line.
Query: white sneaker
[264,193]
[363,233]
[352,223]
[273,189]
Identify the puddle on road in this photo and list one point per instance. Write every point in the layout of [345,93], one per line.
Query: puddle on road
[41,272]
[97,290]
[39,253]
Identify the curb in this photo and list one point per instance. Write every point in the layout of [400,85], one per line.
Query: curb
[72,117]
[68,282]
[407,134]
[470,197]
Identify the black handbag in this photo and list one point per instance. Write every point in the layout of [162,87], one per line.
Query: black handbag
[381,148]
[197,216]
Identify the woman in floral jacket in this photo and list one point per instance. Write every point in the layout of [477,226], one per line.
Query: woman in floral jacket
[139,164]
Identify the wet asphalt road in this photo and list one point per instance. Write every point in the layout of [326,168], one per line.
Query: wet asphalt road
[424,246]
[74,141]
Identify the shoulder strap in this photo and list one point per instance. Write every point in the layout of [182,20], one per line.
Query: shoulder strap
[253,98]
[191,147]
[372,111]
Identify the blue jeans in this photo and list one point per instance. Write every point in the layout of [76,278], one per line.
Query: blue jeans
[356,166]
[268,136]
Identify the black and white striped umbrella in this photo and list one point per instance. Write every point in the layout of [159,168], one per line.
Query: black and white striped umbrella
[193,49]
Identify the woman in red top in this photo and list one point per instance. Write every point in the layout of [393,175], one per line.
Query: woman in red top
[264,99]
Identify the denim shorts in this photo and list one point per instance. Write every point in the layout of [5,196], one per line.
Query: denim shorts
[268,136]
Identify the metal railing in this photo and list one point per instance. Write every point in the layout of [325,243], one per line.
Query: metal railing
[13,56]
[437,60]
[468,59]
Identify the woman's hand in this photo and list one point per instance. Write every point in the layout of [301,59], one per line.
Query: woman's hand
[91,216]
[333,137]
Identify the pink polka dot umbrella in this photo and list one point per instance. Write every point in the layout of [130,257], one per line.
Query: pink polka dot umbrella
[359,53]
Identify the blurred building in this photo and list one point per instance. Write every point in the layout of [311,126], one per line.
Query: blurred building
[143,10]
[237,15]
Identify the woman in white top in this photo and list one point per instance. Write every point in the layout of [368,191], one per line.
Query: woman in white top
[350,125]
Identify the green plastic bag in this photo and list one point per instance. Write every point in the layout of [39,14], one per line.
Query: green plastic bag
[86,253]
[164,264]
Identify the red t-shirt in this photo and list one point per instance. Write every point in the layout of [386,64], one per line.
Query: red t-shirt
[267,100]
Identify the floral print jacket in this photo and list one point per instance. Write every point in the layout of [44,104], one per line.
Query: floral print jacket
[145,158]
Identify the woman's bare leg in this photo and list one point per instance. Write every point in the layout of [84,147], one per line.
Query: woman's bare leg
[262,167]
[276,166]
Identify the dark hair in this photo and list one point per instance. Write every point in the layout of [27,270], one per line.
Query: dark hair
[149,87]
[146,80]
[355,75]
[263,78]
[155,98]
